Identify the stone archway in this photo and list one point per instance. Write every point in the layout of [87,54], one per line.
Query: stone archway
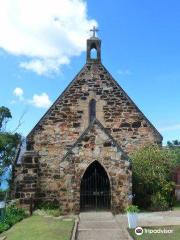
[95,144]
[95,191]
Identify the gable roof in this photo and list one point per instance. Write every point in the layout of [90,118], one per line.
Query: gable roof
[73,81]
[136,107]
[96,121]
[54,104]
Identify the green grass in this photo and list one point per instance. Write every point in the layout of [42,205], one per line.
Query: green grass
[158,236]
[40,228]
[54,213]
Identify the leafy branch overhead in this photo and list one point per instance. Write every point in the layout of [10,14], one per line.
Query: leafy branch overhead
[5,116]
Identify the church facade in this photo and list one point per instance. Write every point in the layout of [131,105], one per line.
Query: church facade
[77,155]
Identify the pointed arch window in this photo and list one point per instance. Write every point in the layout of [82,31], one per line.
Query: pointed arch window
[92,110]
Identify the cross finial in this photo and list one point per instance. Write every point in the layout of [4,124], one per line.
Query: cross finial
[94,30]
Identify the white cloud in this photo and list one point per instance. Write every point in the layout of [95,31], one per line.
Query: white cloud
[126,72]
[40,101]
[48,32]
[46,66]
[170,128]
[19,93]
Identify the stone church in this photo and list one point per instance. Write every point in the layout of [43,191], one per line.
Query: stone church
[77,155]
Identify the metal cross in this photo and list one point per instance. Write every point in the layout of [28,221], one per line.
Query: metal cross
[94,30]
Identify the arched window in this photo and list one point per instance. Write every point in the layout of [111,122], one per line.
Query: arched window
[92,110]
[93,53]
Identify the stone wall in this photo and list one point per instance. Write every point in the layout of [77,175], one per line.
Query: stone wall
[66,120]
[63,124]
[109,155]
[25,178]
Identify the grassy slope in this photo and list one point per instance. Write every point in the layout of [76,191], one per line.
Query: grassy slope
[158,236]
[40,228]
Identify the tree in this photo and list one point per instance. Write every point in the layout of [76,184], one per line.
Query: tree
[5,115]
[174,148]
[8,145]
[8,141]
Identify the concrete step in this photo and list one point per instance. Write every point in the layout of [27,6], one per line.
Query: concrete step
[100,235]
[96,216]
[85,225]
[99,226]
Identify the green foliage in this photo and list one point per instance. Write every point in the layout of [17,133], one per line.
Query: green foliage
[5,115]
[47,206]
[54,212]
[2,194]
[174,148]
[4,227]
[13,220]
[8,145]
[159,202]
[174,143]
[176,207]
[13,211]
[8,141]
[132,209]
[152,167]
[13,215]
[13,203]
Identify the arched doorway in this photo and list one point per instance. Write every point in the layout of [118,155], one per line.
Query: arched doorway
[95,188]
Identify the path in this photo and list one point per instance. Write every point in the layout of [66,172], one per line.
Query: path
[99,226]
[147,219]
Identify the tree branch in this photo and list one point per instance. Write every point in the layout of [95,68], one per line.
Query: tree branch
[20,120]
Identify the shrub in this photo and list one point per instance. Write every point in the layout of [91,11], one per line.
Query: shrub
[4,227]
[159,202]
[152,167]
[47,206]
[14,212]
[2,194]
[174,201]
[13,220]
[13,215]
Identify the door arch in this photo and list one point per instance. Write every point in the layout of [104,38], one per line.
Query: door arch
[95,192]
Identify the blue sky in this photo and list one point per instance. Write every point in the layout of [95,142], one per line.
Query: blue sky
[140,48]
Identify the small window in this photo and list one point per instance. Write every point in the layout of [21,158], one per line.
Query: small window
[92,108]
[93,53]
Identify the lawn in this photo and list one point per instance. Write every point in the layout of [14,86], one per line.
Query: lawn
[54,213]
[158,236]
[40,228]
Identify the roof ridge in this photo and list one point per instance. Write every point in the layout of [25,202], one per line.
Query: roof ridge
[133,103]
[114,81]
[69,85]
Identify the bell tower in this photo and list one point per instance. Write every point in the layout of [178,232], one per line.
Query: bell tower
[94,43]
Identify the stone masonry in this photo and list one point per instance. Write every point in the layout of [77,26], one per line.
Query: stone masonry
[58,147]
[109,154]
